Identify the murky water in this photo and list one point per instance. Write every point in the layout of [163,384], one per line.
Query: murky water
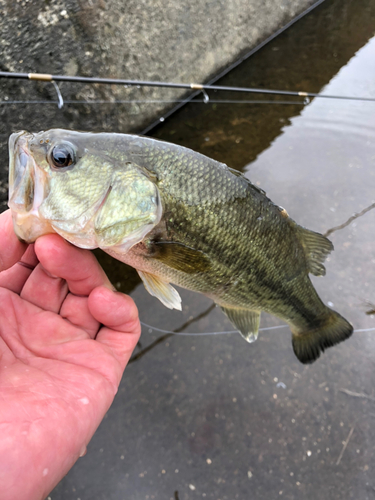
[210,416]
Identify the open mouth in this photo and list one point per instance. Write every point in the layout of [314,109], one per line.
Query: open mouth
[21,173]
[26,189]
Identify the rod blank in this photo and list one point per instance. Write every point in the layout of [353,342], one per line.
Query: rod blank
[190,86]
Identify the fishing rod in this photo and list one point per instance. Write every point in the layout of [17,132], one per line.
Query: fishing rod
[161,101]
[190,86]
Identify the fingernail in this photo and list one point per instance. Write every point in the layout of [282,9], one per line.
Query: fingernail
[83,451]
[110,287]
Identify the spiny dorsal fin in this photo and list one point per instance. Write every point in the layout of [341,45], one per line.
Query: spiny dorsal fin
[162,290]
[237,173]
[246,321]
[316,247]
[181,257]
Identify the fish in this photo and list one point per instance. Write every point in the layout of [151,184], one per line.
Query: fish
[177,217]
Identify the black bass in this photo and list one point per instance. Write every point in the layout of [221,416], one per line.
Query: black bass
[177,217]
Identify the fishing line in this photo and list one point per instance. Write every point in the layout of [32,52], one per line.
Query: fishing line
[364,330]
[198,334]
[211,333]
[201,334]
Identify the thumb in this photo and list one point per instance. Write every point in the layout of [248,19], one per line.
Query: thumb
[121,328]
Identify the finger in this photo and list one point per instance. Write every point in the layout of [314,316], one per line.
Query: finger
[11,249]
[119,315]
[78,267]
[14,278]
[44,291]
[26,329]
[76,311]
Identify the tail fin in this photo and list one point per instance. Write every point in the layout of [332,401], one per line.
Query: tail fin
[308,345]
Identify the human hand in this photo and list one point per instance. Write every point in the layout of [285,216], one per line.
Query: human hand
[65,339]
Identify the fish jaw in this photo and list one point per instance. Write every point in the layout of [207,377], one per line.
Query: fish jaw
[26,190]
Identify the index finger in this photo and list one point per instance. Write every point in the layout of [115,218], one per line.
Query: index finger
[78,267]
[11,248]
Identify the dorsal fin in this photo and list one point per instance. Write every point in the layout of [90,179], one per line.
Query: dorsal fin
[237,173]
[316,247]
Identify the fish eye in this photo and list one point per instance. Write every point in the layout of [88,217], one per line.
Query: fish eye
[62,155]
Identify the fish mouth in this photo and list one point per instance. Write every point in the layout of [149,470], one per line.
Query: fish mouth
[18,160]
[26,188]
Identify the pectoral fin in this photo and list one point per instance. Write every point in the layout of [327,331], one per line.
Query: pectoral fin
[246,321]
[181,257]
[161,290]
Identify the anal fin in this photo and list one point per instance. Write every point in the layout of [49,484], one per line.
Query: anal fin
[162,290]
[245,320]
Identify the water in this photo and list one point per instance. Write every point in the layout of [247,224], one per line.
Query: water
[212,417]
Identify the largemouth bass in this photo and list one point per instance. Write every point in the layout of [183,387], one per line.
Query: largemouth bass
[177,217]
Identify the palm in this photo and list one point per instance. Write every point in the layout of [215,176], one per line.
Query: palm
[56,381]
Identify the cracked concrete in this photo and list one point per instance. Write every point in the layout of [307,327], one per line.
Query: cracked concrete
[167,335]
[350,220]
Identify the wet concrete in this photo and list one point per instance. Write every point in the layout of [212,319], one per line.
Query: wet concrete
[209,416]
